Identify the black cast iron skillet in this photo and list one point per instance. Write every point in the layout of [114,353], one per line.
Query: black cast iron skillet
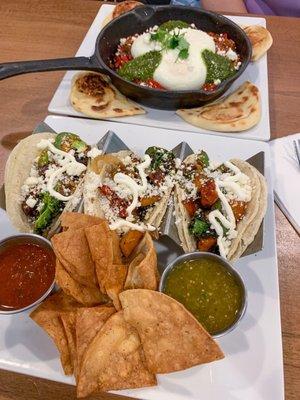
[137,21]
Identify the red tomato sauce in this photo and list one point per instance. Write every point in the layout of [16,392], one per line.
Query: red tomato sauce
[26,272]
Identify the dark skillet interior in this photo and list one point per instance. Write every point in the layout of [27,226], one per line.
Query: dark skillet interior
[141,18]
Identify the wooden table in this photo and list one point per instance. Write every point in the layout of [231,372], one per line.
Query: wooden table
[36,29]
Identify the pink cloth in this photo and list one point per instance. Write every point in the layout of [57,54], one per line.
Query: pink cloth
[274,7]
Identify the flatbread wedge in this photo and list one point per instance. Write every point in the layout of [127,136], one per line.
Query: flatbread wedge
[114,360]
[120,9]
[94,95]
[171,337]
[260,38]
[237,112]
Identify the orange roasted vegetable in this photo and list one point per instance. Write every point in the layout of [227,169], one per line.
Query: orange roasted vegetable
[238,208]
[148,201]
[129,242]
[206,243]
[191,207]
[208,193]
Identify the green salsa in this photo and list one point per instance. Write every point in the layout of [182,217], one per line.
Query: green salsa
[208,290]
[172,24]
[218,67]
[142,67]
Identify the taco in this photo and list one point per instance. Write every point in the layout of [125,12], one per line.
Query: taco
[43,178]
[130,192]
[218,208]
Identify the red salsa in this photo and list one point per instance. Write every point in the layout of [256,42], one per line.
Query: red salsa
[26,272]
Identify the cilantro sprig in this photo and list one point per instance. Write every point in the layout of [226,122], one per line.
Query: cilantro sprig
[172,41]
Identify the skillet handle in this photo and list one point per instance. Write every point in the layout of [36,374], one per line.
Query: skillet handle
[24,67]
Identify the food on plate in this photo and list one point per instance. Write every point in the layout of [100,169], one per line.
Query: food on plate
[26,272]
[114,360]
[177,56]
[43,178]
[172,339]
[142,270]
[86,295]
[219,207]
[239,111]
[110,270]
[129,191]
[90,266]
[94,95]
[48,316]
[208,290]
[260,39]
[88,323]
[122,8]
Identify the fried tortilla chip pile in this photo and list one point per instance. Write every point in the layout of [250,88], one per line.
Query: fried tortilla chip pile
[108,349]
[90,266]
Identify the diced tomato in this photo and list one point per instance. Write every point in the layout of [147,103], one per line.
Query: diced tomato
[191,207]
[115,200]
[122,59]
[154,84]
[208,193]
[206,243]
[209,87]
[238,208]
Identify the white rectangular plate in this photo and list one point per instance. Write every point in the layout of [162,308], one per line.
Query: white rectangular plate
[252,368]
[256,72]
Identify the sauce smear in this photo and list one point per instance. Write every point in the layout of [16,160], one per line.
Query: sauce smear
[26,272]
[208,290]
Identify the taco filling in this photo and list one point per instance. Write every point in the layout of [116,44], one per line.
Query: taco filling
[213,200]
[53,179]
[131,191]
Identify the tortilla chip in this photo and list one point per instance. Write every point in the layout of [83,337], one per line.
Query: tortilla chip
[48,316]
[260,38]
[237,112]
[171,337]
[72,249]
[88,323]
[106,253]
[125,6]
[94,95]
[142,271]
[75,220]
[88,296]
[68,320]
[114,360]
[114,283]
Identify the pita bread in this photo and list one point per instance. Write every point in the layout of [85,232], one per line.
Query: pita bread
[93,95]
[120,9]
[88,323]
[260,39]
[48,316]
[142,271]
[114,360]
[237,112]
[171,337]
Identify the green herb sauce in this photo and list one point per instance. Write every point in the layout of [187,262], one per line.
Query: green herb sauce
[218,67]
[206,288]
[172,24]
[142,67]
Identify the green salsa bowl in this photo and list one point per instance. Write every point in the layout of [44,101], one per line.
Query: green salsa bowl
[209,287]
